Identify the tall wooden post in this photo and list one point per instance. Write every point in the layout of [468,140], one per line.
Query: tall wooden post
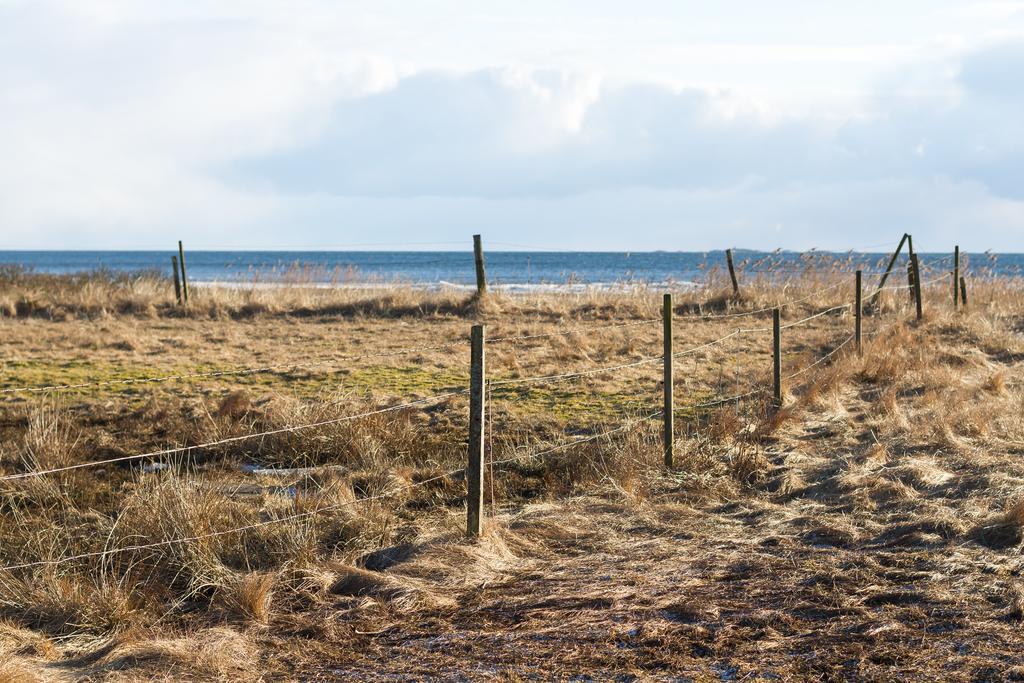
[475,466]
[478,256]
[888,269]
[777,356]
[858,308]
[917,286]
[956,277]
[910,280]
[732,273]
[910,269]
[177,279]
[669,410]
[184,274]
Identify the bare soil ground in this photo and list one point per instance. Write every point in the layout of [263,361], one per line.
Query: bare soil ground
[871,529]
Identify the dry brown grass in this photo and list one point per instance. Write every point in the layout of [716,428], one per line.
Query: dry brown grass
[878,504]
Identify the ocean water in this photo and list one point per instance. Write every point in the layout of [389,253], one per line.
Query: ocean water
[504,268]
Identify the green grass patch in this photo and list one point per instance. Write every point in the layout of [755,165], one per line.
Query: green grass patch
[564,400]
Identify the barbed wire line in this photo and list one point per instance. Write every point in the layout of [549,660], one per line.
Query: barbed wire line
[682,317]
[942,279]
[311,513]
[575,330]
[885,328]
[819,314]
[798,373]
[332,362]
[285,367]
[543,379]
[533,248]
[272,368]
[766,309]
[232,439]
[728,399]
[418,349]
[926,283]
[801,321]
[396,490]
[764,390]
[225,532]
[716,342]
[583,439]
[845,342]
[821,360]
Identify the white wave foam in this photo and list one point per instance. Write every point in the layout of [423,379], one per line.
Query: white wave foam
[514,288]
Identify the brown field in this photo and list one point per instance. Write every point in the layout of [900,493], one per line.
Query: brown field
[870,529]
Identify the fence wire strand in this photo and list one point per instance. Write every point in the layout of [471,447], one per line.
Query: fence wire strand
[820,360]
[232,439]
[334,362]
[386,494]
[318,511]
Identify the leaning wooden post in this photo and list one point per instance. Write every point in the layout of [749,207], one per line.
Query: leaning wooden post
[668,411]
[475,467]
[963,291]
[956,277]
[917,286]
[732,273]
[858,309]
[184,275]
[177,279]
[888,269]
[478,256]
[777,356]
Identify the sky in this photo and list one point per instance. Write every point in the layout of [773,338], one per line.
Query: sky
[589,124]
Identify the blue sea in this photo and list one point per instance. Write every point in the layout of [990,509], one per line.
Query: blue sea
[509,268]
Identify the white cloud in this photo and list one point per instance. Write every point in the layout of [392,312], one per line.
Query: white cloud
[320,123]
[503,134]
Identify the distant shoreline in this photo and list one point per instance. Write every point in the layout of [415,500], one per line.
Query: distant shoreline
[530,270]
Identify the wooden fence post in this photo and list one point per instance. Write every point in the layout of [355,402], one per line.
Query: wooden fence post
[888,270]
[910,269]
[858,308]
[184,274]
[177,279]
[669,411]
[963,291]
[478,256]
[910,280]
[732,273]
[917,286]
[475,466]
[956,277]
[777,356]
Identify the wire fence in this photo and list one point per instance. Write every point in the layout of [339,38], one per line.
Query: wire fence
[759,389]
[328,508]
[344,361]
